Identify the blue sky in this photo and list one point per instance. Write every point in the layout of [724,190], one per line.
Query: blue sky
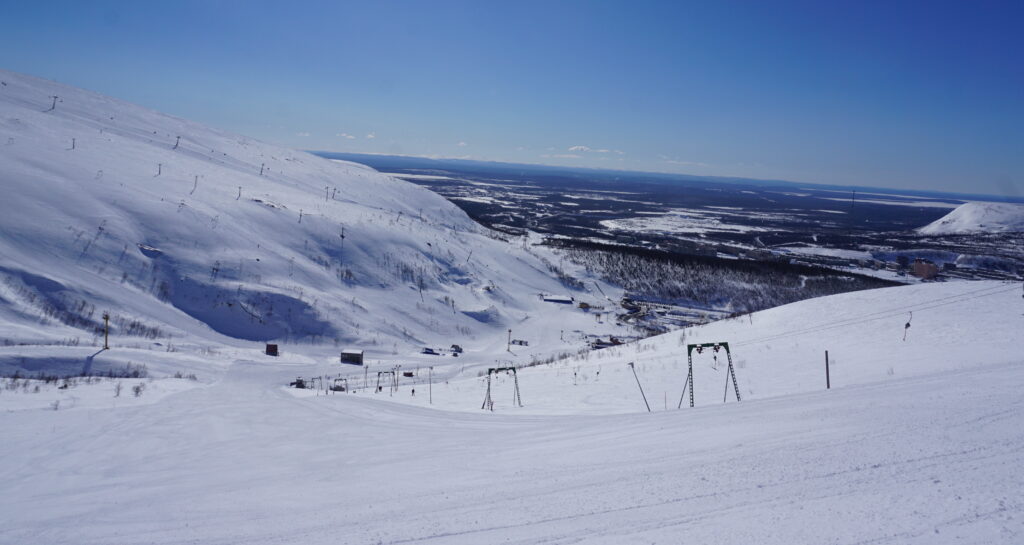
[920,95]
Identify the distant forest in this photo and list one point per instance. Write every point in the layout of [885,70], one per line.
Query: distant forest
[733,285]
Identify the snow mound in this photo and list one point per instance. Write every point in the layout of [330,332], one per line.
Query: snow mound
[485,315]
[978,217]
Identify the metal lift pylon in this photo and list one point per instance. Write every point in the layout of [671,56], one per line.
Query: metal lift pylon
[688,385]
[488,400]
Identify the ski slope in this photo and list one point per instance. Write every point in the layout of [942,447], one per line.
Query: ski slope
[932,459]
[198,239]
[918,441]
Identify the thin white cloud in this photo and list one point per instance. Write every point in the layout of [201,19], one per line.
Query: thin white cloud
[371,136]
[671,161]
[462,144]
[588,149]
[346,135]
[302,134]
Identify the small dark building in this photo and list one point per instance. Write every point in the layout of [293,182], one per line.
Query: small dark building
[560,299]
[272,350]
[924,269]
[354,357]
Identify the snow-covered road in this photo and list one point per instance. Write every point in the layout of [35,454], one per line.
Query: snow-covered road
[933,459]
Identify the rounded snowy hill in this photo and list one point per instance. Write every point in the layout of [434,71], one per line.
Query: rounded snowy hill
[978,217]
[183,231]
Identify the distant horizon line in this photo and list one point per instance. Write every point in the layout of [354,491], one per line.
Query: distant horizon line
[701,177]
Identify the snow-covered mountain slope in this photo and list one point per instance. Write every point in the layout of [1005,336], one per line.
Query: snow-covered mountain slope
[182,232]
[978,217]
[775,352]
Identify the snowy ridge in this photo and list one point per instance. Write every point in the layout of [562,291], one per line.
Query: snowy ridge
[978,217]
[183,233]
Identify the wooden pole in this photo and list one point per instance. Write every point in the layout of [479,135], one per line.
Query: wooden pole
[828,380]
[430,384]
[106,331]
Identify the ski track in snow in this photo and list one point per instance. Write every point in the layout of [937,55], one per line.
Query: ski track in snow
[932,459]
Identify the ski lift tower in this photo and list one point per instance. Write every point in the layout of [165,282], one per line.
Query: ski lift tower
[715,347]
[488,401]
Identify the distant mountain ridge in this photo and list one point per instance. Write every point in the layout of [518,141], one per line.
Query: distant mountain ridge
[387,162]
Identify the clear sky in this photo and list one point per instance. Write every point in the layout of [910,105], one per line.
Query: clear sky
[922,95]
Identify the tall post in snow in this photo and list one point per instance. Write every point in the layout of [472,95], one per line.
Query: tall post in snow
[106,331]
[828,380]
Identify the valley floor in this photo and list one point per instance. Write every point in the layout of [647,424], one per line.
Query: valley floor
[928,459]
